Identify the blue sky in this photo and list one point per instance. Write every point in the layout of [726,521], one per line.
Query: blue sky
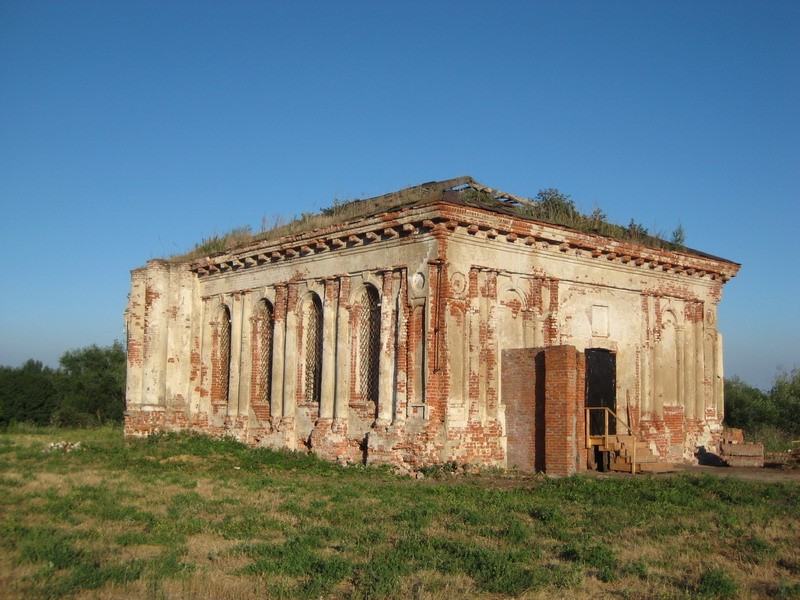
[131,130]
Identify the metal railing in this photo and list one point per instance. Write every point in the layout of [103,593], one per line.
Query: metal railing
[606,413]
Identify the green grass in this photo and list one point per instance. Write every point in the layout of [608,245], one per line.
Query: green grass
[773,439]
[192,517]
[558,211]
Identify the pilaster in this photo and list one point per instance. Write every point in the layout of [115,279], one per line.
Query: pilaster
[156,330]
[342,396]
[329,344]
[278,352]
[134,326]
[291,355]
[387,351]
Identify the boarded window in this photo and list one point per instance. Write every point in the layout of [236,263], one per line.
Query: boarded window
[264,365]
[313,349]
[223,370]
[369,339]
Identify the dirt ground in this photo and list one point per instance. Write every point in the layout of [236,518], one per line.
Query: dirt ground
[775,474]
[763,474]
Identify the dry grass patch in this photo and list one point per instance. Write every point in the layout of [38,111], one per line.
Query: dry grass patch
[213,549]
[170,518]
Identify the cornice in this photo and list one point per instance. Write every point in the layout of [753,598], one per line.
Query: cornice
[444,218]
[544,236]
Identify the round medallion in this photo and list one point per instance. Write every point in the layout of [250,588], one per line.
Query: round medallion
[458,283]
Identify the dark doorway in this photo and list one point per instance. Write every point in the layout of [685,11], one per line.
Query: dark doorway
[601,388]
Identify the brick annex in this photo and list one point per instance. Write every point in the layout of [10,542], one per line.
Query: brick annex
[433,327]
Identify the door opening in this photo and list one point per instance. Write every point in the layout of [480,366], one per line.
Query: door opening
[601,391]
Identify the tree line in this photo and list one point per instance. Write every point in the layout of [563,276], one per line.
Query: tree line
[760,413]
[88,388]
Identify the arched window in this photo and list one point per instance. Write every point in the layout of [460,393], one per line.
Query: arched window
[263,367]
[313,348]
[369,339]
[223,362]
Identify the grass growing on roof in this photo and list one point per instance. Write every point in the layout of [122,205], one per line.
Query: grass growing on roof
[549,206]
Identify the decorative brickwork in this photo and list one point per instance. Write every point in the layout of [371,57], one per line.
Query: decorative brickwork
[433,331]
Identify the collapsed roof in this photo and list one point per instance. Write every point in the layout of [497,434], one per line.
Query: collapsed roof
[403,212]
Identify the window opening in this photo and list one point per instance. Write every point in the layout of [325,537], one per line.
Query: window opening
[224,352]
[313,379]
[369,344]
[266,327]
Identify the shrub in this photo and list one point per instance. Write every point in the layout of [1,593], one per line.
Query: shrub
[27,394]
[773,416]
[92,386]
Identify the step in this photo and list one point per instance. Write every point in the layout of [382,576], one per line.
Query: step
[626,450]
[744,461]
[624,467]
[641,457]
[658,468]
[639,449]
[627,439]
[620,466]
[619,446]
[741,450]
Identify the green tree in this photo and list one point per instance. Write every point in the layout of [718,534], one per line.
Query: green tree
[679,236]
[27,394]
[552,205]
[747,407]
[637,232]
[785,398]
[92,385]
[597,219]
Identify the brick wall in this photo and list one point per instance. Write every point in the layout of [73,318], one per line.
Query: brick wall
[543,392]
[521,384]
[440,352]
[564,393]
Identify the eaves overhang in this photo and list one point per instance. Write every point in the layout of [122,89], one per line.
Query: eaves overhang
[438,217]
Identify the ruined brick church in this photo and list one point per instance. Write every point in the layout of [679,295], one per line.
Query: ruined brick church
[439,323]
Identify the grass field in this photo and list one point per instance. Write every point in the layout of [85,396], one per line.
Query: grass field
[182,516]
